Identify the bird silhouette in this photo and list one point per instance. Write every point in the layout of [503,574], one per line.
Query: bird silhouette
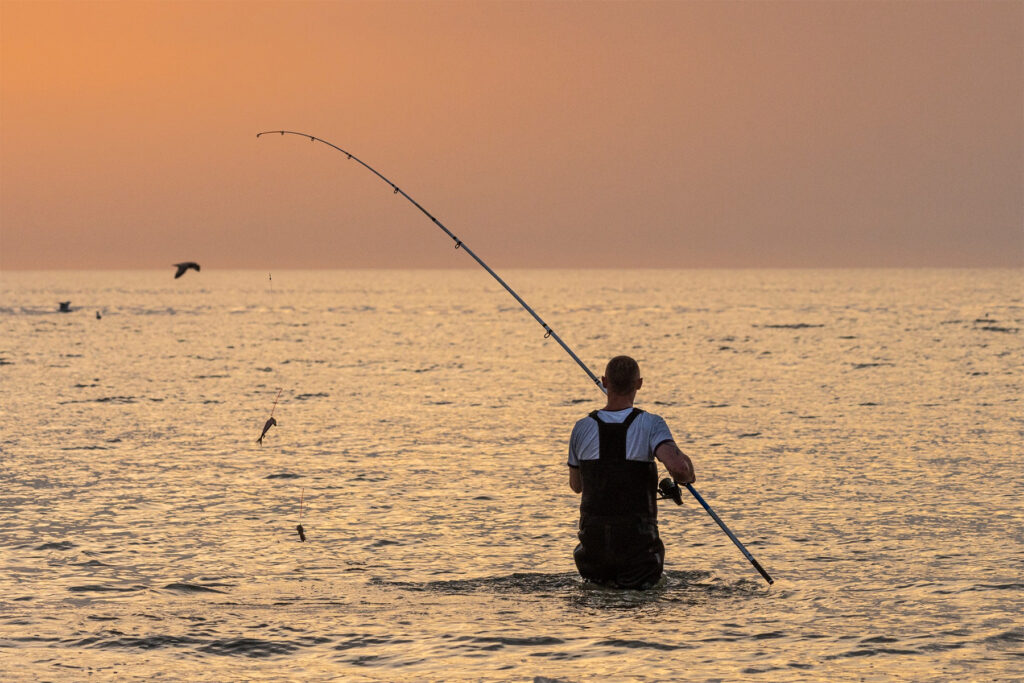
[65,307]
[185,265]
[266,428]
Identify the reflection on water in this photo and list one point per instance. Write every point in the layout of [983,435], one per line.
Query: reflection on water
[859,430]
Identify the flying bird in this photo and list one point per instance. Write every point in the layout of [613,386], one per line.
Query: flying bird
[182,267]
[65,307]
[266,428]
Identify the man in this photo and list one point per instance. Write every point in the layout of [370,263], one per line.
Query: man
[611,462]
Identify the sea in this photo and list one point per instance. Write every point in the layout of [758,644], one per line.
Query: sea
[860,431]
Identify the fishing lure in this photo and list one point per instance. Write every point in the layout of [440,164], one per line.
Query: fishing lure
[271,422]
[298,527]
[266,428]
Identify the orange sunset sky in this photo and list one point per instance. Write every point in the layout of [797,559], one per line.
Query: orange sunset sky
[544,134]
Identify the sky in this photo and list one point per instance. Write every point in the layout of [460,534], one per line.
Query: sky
[543,134]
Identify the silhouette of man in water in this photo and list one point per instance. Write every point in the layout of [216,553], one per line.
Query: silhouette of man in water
[611,462]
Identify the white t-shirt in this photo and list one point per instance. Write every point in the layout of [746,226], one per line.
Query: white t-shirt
[647,432]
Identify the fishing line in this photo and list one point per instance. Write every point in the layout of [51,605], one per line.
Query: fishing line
[548,332]
[270,287]
[271,421]
[274,407]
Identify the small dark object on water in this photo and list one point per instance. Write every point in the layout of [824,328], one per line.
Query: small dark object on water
[65,306]
[185,265]
[302,532]
[266,427]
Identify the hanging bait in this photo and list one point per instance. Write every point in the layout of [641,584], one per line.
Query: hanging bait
[266,428]
[271,422]
[298,527]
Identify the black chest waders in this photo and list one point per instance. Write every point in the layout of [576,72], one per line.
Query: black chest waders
[619,542]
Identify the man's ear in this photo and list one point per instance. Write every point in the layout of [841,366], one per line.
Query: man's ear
[639,383]
[604,382]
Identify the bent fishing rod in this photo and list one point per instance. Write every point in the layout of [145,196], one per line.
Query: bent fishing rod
[548,332]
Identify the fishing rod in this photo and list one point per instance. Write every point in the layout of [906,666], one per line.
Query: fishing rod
[459,244]
[670,490]
[548,332]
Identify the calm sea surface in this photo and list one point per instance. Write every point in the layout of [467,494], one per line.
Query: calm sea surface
[860,431]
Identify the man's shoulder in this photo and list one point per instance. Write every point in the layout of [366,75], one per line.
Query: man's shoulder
[652,423]
[584,422]
[588,421]
[656,427]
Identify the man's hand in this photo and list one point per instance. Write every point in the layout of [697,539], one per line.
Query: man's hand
[676,462]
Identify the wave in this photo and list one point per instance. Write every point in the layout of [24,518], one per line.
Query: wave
[106,399]
[642,644]
[193,588]
[57,545]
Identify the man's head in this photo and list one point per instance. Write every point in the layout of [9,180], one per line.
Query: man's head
[622,375]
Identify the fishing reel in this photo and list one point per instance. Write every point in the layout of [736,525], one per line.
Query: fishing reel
[669,489]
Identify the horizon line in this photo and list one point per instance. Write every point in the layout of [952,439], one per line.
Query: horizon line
[473,267]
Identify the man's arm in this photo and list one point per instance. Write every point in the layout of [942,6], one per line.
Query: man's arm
[575,481]
[676,462]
